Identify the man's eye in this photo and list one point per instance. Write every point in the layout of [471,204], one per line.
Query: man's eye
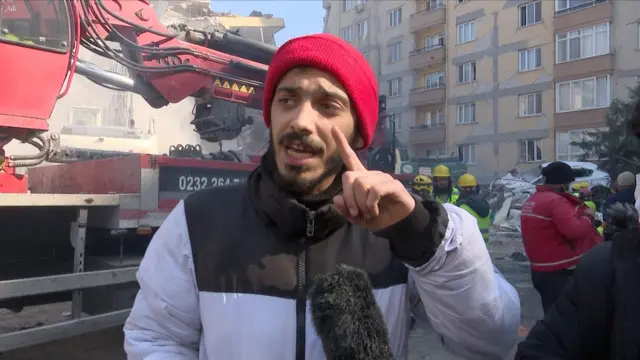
[286,101]
[329,106]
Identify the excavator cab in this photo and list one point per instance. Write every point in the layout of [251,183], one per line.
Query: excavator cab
[35,45]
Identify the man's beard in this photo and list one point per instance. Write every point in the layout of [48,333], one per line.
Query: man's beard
[292,180]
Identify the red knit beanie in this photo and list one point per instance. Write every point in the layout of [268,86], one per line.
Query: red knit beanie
[331,54]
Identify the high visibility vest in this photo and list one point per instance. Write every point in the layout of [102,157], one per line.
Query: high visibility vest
[590,204]
[600,230]
[455,195]
[12,37]
[483,222]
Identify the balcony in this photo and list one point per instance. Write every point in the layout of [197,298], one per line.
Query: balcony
[597,11]
[427,134]
[582,68]
[425,57]
[427,18]
[427,95]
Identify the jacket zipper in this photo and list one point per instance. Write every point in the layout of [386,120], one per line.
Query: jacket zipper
[301,300]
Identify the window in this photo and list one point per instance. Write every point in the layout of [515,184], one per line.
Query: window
[567,5]
[350,4]
[394,118]
[583,94]
[531,104]
[395,17]
[394,52]
[43,24]
[434,80]
[395,86]
[467,113]
[85,116]
[530,59]
[467,154]
[530,151]
[467,72]
[466,32]
[583,43]
[348,33]
[434,41]
[567,152]
[362,28]
[461,1]
[530,13]
[435,4]
[434,153]
[434,118]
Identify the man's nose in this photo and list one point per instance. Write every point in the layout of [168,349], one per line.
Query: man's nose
[304,117]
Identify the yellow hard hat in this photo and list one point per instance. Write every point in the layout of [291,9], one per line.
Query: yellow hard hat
[441,171]
[580,185]
[467,180]
[422,180]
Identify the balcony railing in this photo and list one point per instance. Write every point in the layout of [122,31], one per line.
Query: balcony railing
[426,18]
[438,85]
[586,4]
[427,126]
[425,49]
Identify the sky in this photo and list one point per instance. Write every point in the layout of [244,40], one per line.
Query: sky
[301,17]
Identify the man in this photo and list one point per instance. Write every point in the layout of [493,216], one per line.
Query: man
[443,189]
[626,186]
[557,229]
[587,198]
[471,201]
[577,187]
[596,316]
[226,275]
[625,194]
[422,186]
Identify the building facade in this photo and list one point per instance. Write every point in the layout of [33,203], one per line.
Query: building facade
[502,84]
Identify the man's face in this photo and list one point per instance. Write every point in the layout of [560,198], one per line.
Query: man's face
[306,105]
[441,182]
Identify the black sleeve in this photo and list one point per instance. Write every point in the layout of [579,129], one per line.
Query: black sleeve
[416,239]
[578,325]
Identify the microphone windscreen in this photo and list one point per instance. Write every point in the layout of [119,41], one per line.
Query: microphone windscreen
[347,318]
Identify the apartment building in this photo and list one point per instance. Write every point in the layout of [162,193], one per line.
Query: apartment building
[503,84]
[529,77]
[380,29]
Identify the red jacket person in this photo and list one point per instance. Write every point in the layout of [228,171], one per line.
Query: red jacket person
[226,275]
[557,229]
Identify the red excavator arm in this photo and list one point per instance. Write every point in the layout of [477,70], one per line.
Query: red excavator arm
[40,42]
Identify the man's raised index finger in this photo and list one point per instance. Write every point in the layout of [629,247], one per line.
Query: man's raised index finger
[349,157]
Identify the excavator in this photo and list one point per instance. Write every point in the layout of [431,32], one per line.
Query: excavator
[74,232]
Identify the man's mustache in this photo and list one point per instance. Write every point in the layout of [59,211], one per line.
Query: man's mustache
[303,138]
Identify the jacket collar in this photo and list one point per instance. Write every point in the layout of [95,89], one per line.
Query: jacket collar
[310,220]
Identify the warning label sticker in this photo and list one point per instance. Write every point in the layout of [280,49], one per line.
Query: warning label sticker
[234,86]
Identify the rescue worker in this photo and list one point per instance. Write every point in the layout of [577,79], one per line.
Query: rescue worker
[557,229]
[443,189]
[227,273]
[625,194]
[471,201]
[587,198]
[576,187]
[422,185]
[19,31]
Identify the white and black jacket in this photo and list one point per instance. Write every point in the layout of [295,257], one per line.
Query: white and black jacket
[226,275]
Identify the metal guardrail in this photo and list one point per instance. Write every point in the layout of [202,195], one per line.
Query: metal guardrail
[75,282]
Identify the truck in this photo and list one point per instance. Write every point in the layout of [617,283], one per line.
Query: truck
[75,231]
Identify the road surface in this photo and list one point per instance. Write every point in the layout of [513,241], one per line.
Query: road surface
[423,343]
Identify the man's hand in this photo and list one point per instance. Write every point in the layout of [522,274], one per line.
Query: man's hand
[371,199]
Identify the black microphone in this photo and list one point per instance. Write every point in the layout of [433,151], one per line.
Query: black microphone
[347,318]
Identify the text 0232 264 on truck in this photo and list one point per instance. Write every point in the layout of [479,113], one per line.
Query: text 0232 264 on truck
[186,179]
